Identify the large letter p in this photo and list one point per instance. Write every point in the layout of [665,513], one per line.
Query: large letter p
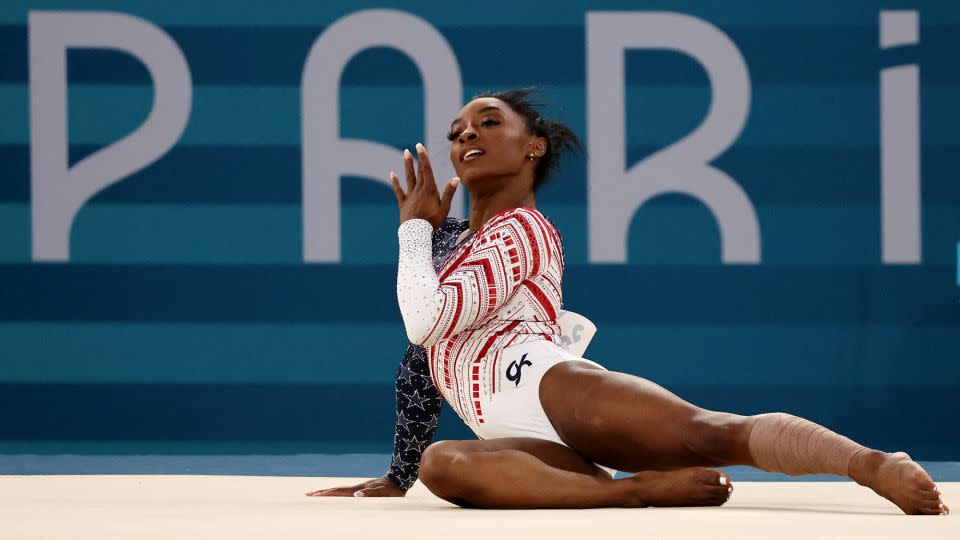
[58,191]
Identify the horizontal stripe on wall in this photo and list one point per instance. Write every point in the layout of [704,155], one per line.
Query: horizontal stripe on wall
[261,115]
[188,449]
[365,413]
[300,13]
[758,354]
[667,231]
[791,175]
[609,294]
[276,56]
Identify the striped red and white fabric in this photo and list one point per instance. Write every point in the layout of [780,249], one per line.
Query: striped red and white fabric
[502,288]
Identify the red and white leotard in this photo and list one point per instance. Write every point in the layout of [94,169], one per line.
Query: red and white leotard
[498,290]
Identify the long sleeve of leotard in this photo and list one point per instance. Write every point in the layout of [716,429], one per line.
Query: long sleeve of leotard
[512,247]
[418,401]
[418,413]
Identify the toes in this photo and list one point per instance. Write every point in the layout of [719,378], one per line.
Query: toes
[721,493]
[922,480]
[929,511]
[928,507]
[715,498]
[707,476]
[714,478]
[725,482]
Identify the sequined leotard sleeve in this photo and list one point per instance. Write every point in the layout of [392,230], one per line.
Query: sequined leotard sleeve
[418,413]
[418,402]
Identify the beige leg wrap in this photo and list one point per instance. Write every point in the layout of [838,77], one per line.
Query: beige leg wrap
[784,443]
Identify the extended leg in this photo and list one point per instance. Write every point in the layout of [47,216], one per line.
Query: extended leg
[630,423]
[795,446]
[532,473]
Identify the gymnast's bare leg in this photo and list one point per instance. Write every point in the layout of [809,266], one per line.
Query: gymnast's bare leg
[630,424]
[534,473]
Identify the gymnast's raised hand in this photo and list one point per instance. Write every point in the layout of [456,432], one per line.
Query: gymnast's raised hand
[422,200]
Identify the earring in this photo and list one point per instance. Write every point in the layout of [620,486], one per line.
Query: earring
[531,156]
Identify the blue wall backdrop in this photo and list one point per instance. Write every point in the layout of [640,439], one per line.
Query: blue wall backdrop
[187,313]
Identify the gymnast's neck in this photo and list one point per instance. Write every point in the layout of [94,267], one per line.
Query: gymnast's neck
[489,197]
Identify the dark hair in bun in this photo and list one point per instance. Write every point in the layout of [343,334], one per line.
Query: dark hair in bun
[560,139]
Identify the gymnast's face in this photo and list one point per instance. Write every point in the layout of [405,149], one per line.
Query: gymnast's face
[489,140]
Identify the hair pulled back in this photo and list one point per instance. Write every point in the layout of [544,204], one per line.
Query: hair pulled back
[560,139]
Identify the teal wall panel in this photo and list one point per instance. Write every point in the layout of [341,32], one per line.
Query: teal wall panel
[187,312]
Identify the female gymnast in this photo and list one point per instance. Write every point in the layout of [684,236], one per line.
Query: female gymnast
[479,300]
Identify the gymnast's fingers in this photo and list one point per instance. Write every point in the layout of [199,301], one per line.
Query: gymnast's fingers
[374,491]
[343,491]
[447,199]
[397,190]
[419,168]
[380,490]
[426,170]
[408,169]
[330,492]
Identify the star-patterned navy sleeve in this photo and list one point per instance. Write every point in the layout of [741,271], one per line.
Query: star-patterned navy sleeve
[418,401]
[418,412]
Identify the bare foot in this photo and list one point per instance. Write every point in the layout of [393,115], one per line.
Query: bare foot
[683,487]
[898,479]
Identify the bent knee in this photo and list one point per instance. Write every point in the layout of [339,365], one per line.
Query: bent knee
[437,466]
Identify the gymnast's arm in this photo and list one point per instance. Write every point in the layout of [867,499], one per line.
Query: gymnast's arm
[418,406]
[512,248]
[418,413]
